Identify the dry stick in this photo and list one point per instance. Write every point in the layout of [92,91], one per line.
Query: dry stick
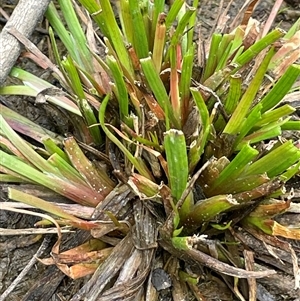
[29,265]
[24,18]
[30,231]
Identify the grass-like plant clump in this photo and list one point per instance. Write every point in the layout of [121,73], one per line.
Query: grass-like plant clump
[171,159]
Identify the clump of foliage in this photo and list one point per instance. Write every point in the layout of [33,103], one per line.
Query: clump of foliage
[176,145]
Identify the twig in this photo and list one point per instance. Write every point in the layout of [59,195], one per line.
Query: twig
[30,231]
[198,258]
[24,18]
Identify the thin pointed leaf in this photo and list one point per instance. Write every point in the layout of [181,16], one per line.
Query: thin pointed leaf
[49,207]
[26,127]
[212,56]
[140,36]
[275,115]
[55,21]
[197,147]
[256,48]
[82,53]
[78,193]
[185,82]
[281,88]
[158,88]
[138,164]
[122,94]
[235,123]
[173,13]
[25,149]
[115,35]
[276,161]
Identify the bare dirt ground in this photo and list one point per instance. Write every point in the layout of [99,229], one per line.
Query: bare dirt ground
[17,251]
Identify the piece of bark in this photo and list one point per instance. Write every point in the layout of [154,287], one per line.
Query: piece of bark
[24,18]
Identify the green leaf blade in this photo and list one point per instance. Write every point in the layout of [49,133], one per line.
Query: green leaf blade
[174,142]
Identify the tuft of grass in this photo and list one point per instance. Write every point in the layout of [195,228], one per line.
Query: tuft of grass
[207,150]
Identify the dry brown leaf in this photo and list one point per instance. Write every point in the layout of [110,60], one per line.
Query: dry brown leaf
[81,260]
[251,33]
[288,54]
[249,12]
[279,230]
